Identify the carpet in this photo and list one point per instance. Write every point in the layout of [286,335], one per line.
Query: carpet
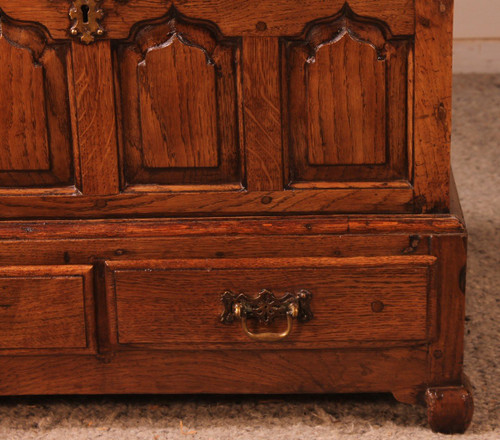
[476,160]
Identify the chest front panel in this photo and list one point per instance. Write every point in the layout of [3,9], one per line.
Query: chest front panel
[177,86]
[219,107]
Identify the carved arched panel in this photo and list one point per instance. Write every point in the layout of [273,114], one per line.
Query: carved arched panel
[35,127]
[346,100]
[178,97]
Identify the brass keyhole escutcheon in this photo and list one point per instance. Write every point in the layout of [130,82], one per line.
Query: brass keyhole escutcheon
[86,16]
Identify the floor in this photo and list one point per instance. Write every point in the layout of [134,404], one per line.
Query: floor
[476,158]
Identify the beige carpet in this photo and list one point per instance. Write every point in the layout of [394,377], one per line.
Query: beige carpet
[477,163]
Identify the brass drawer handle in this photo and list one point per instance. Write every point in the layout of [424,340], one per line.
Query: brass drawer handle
[266,308]
[267,337]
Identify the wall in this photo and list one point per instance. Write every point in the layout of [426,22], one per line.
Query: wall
[477,36]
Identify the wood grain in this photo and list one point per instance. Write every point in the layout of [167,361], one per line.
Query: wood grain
[86,250]
[83,250]
[299,145]
[450,409]
[282,17]
[180,75]
[262,113]
[96,119]
[432,126]
[292,225]
[23,128]
[194,140]
[346,98]
[345,90]
[34,123]
[45,307]
[223,372]
[446,353]
[183,305]
[143,166]
[383,200]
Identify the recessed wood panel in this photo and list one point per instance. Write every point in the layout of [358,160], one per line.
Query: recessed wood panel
[182,305]
[178,108]
[177,87]
[23,123]
[345,98]
[35,129]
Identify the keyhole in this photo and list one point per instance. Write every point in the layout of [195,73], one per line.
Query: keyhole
[85,13]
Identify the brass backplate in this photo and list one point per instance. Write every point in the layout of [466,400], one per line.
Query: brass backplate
[86,16]
[266,307]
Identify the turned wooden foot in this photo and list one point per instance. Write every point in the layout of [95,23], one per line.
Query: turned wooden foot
[449,409]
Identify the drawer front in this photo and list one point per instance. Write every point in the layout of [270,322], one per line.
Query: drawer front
[178,304]
[46,308]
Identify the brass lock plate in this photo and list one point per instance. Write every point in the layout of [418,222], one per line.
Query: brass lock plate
[86,16]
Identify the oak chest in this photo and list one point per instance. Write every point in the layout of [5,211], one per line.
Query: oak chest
[217,196]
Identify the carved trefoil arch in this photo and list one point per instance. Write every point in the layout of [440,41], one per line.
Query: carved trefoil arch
[346,88]
[193,139]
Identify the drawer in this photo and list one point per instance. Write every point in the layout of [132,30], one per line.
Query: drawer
[46,308]
[340,301]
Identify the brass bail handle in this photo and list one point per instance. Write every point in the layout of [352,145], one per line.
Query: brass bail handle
[291,313]
[265,308]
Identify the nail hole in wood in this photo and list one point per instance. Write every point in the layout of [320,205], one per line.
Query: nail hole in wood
[261,26]
[377,306]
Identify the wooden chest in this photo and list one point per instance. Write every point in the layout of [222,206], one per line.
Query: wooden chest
[216,196]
